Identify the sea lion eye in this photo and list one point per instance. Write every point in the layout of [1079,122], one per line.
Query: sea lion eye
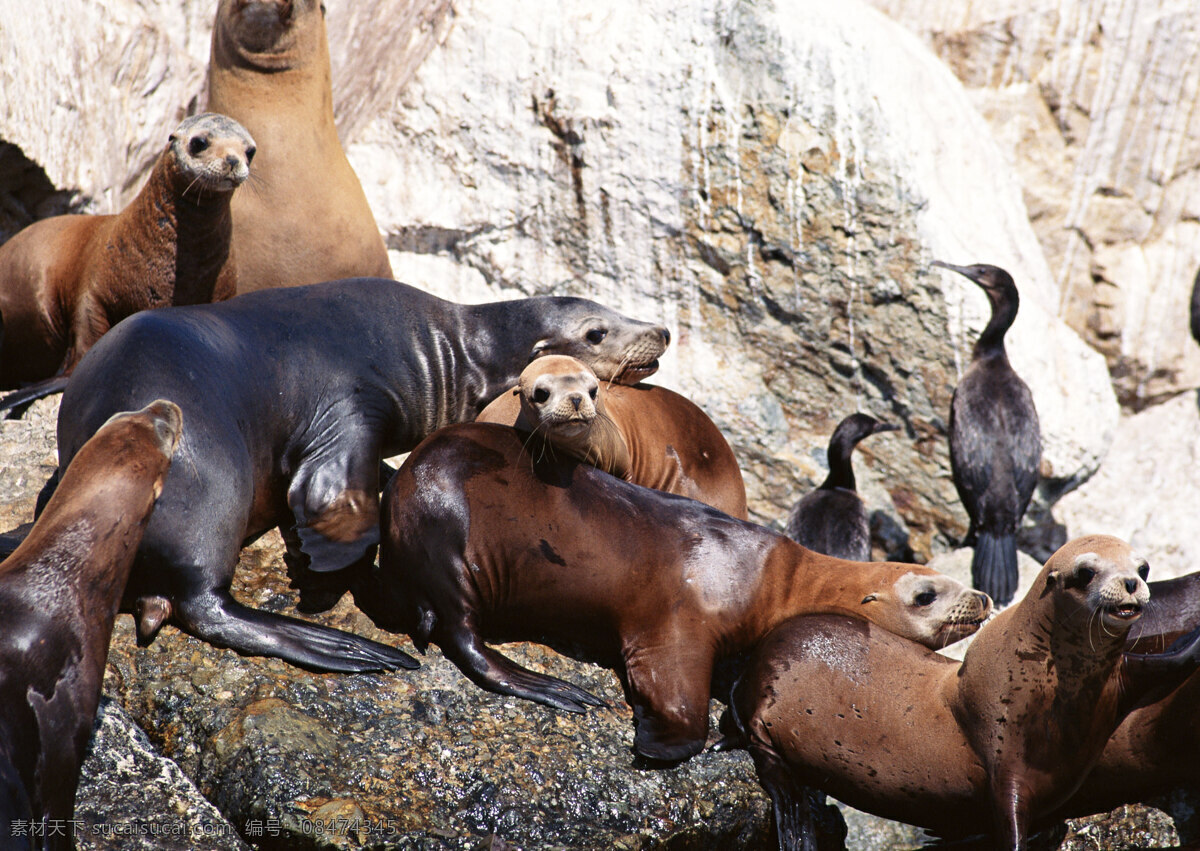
[592,392]
[1144,571]
[541,395]
[925,598]
[596,336]
[250,152]
[1085,575]
[197,145]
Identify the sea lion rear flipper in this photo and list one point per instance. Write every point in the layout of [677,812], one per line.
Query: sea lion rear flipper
[494,671]
[336,511]
[218,619]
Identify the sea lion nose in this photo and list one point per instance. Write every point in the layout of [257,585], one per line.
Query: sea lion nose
[576,400]
[666,334]
[1131,585]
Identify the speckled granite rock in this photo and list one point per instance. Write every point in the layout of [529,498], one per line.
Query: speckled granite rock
[131,798]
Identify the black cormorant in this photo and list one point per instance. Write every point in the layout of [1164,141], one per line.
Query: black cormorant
[995,441]
[832,520]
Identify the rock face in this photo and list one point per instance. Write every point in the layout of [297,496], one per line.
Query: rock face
[1091,103]
[767,185]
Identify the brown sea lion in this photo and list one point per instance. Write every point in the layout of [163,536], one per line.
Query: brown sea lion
[66,280]
[1157,746]
[308,219]
[292,395]
[483,539]
[1001,739]
[647,435]
[58,597]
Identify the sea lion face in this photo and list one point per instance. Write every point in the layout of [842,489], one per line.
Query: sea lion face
[212,154]
[1101,576]
[615,347]
[929,607]
[267,26]
[559,395]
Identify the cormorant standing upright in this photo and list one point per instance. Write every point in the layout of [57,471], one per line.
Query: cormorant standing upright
[832,519]
[995,441]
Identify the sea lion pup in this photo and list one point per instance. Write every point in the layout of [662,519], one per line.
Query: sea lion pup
[483,539]
[647,435]
[995,440]
[308,219]
[832,519]
[58,597]
[66,280]
[292,396]
[1003,738]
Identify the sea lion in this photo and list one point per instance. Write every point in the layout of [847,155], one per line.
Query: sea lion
[292,396]
[308,219]
[58,597]
[1003,738]
[995,440]
[832,519]
[483,539]
[1157,747]
[647,435]
[66,280]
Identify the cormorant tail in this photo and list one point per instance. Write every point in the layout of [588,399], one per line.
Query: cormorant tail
[994,566]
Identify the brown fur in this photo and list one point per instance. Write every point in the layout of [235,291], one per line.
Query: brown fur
[66,280]
[59,593]
[307,219]
[480,538]
[647,435]
[1002,739]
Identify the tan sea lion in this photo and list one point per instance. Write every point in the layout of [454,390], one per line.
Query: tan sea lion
[58,597]
[64,281]
[1000,740]
[308,219]
[647,435]
[482,539]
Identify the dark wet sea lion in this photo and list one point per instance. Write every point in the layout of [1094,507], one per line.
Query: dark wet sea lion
[1002,739]
[291,397]
[832,519]
[307,219]
[995,440]
[481,538]
[64,281]
[647,435]
[58,597]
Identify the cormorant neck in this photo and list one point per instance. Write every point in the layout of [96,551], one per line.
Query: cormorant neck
[1004,313]
[841,471]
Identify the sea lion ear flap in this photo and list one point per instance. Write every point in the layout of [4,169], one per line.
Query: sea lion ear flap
[539,349]
[868,599]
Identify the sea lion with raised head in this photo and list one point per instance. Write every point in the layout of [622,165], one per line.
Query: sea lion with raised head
[58,597]
[308,219]
[1001,739]
[64,281]
[647,435]
[483,539]
[292,396]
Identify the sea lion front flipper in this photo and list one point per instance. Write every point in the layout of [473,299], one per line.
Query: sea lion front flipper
[494,671]
[669,693]
[803,819]
[336,507]
[217,618]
